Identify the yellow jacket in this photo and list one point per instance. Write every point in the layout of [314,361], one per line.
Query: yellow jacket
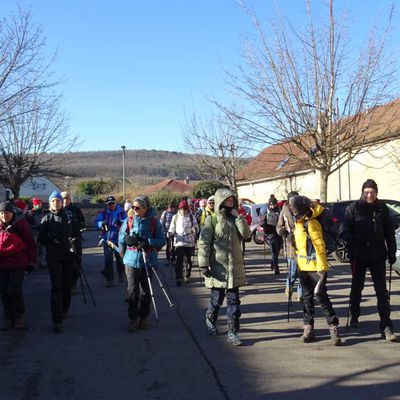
[310,245]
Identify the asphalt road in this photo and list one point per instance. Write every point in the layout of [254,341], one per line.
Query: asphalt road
[97,358]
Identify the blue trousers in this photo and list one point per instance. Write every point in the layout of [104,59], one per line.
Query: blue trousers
[293,276]
[233,312]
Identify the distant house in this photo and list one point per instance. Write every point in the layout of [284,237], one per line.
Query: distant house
[278,171]
[40,186]
[170,185]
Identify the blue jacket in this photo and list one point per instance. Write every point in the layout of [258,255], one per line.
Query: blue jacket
[114,220]
[142,227]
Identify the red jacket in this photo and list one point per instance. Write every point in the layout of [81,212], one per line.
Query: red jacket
[22,254]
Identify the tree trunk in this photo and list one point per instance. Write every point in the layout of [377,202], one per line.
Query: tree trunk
[323,186]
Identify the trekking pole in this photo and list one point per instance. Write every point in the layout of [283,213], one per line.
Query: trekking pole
[149,282]
[265,255]
[390,280]
[171,243]
[82,273]
[82,287]
[171,304]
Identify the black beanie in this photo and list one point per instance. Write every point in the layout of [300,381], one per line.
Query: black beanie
[299,205]
[371,184]
[7,206]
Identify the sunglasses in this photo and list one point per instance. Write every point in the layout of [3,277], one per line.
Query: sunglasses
[210,202]
[136,208]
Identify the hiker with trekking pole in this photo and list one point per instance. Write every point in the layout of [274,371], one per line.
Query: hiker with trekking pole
[313,266]
[369,233]
[285,228]
[140,239]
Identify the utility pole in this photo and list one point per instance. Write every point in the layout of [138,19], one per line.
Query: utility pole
[123,172]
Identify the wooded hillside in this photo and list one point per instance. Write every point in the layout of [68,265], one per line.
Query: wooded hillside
[145,163]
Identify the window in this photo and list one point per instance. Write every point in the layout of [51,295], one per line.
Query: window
[283,162]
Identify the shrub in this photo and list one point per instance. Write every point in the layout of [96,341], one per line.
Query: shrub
[206,189]
[160,200]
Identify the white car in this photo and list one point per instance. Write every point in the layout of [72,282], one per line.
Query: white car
[257,212]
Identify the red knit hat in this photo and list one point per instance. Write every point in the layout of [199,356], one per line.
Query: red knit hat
[36,201]
[20,204]
[183,204]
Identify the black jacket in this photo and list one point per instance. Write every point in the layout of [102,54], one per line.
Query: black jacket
[56,232]
[368,231]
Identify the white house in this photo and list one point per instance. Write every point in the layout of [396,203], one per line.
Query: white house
[274,171]
[40,187]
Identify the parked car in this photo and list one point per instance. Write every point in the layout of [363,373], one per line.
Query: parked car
[336,211]
[256,211]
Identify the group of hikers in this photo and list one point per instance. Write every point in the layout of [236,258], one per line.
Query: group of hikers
[133,236]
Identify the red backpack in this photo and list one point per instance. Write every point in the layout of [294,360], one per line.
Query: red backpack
[10,244]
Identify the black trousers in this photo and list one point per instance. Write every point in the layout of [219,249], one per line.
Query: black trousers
[309,280]
[60,296]
[139,296]
[170,249]
[11,291]
[378,274]
[181,252]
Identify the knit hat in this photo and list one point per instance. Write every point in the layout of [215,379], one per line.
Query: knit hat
[299,205]
[371,184]
[183,204]
[20,204]
[55,194]
[272,200]
[66,195]
[143,200]
[7,206]
[36,201]
[110,199]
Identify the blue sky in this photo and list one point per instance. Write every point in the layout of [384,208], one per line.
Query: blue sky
[133,67]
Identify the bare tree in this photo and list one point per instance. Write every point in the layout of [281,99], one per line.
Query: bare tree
[32,127]
[24,71]
[309,90]
[32,141]
[217,151]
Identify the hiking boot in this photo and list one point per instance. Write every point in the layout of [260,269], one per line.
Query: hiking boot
[335,337]
[57,328]
[233,338]
[142,324]
[276,270]
[7,325]
[308,334]
[388,334]
[354,322]
[20,324]
[211,324]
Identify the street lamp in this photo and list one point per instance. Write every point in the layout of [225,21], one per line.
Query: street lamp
[123,172]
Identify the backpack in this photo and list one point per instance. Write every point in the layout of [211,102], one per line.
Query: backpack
[10,244]
[328,232]
[153,223]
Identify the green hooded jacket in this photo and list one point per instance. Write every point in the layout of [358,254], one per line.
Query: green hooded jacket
[220,245]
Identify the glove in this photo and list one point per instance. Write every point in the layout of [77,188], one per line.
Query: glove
[55,240]
[30,268]
[234,212]
[143,244]
[392,259]
[206,272]
[130,240]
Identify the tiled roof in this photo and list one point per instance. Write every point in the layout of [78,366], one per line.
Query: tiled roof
[274,161]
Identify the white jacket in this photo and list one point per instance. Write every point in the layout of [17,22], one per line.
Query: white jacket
[184,228]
